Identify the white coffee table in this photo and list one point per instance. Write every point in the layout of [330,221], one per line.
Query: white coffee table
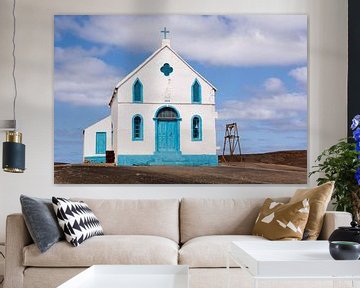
[131,276]
[292,260]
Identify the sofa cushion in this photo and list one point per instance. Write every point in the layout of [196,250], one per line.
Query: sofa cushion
[158,217]
[107,249]
[49,277]
[201,217]
[211,251]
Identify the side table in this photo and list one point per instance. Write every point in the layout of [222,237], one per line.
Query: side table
[131,276]
[293,264]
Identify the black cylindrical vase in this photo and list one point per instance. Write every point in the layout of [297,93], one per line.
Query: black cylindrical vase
[13,153]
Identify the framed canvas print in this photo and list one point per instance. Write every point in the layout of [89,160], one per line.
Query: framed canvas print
[179,99]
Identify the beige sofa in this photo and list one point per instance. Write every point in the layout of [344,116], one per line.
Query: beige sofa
[194,232]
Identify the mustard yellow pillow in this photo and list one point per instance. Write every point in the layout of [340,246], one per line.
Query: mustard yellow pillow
[279,221]
[319,198]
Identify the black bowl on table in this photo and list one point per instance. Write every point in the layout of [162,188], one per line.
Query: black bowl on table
[344,250]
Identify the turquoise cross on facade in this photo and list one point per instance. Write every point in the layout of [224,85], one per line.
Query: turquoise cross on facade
[165,32]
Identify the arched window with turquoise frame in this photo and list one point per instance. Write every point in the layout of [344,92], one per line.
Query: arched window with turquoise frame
[137,91]
[196,128]
[137,128]
[196,92]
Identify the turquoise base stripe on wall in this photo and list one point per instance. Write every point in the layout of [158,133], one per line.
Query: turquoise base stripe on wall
[170,159]
[160,159]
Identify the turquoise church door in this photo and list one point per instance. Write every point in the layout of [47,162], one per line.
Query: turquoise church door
[168,136]
[167,130]
[100,142]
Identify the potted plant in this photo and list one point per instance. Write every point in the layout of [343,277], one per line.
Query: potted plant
[341,163]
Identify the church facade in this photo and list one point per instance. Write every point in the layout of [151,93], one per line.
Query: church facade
[162,113]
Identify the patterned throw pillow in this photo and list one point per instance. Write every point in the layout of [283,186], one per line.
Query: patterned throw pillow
[77,220]
[279,221]
[319,198]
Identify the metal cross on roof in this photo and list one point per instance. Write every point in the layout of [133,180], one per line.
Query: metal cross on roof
[165,32]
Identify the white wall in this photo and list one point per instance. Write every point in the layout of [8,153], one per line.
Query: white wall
[126,146]
[155,85]
[114,120]
[327,101]
[104,125]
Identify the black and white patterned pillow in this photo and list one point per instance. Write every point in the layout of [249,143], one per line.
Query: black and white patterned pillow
[77,220]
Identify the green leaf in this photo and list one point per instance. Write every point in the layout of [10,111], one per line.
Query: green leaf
[339,163]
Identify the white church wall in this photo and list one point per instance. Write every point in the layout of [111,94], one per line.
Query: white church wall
[208,143]
[114,119]
[125,115]
[35,40]
[103,125]
[158,91]
[156,86]
[147,146]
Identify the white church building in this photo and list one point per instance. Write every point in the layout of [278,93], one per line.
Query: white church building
[162,113]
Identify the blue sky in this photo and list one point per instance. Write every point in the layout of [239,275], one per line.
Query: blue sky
[258,63]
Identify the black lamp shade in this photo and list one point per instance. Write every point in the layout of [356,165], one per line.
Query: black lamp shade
[13,157]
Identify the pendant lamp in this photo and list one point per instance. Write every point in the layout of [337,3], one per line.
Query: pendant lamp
[13,149]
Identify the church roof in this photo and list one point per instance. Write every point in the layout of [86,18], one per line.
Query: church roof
[166,46]
[97,123]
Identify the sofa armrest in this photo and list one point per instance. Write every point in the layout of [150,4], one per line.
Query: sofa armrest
[17,237]
[333,220]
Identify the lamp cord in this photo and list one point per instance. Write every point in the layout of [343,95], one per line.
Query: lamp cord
[14,60]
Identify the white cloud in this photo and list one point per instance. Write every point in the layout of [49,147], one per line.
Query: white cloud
[274,85]
[265,108]
[274,107]
[300,75]
[244,40]
[83,79]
